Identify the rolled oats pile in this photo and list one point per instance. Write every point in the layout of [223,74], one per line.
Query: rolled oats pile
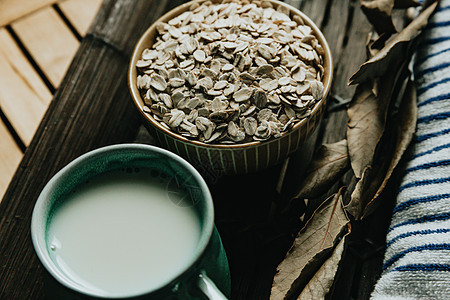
[232,72]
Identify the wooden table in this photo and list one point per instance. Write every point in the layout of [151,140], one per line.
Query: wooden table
[92,108]
[38,40]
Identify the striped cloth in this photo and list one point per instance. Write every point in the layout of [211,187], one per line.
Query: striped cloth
[417,259]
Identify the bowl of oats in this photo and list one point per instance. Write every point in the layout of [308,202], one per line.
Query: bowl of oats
[232,86]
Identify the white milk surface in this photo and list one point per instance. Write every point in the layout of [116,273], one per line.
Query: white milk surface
[121,234]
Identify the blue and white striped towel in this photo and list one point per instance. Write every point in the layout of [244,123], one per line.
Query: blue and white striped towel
[417,259]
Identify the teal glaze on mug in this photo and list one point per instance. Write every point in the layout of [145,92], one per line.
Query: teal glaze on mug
[207,270]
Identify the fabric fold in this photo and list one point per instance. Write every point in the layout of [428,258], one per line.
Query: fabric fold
[417,258]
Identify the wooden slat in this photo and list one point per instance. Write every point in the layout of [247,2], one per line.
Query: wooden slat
[23,95]
[49,41]
[80,13]
[19,62]
[10,156]
[11,10]
[82,118]
[92,108]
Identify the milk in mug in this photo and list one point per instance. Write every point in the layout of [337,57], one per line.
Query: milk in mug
[123,233]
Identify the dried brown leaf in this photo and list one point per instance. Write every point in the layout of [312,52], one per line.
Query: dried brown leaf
[406,3]
[370,182]
[319,286]
[366,195]
[379,14]
[311,248]
[358,198]
[395,50]
[427,3]
[329,163]
[405,128]
[374,46]
[368,113]
[367,116]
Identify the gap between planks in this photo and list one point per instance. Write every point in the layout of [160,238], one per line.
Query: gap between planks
[10,156]
[24,96]
[49,41]
[11,10]
[80,13]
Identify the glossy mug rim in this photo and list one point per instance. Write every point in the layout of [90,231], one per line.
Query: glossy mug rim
[41,216]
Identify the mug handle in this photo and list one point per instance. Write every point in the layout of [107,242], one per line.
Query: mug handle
[209,288]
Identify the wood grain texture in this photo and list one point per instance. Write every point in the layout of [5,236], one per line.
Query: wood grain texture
[254,250]
[23,95]
[49,41]
[80,13]
[11,10]
[348,53]
[361,264]
[10,156]
[91,109]
[256,246]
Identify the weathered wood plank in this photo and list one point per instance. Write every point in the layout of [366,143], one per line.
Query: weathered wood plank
[23,95]
[18,60]
[347,60]
[294,3]
[361,263]
[80,13]
[331,17]
[11,10]
[255,243]
[92,108]
[315,10]
[10,156]
[49,41]
[96,104]
[348,55]
[252,258]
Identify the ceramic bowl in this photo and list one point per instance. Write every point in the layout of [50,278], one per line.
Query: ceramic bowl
[231,158]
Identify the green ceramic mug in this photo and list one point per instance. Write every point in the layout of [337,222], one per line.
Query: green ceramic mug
[92,233]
